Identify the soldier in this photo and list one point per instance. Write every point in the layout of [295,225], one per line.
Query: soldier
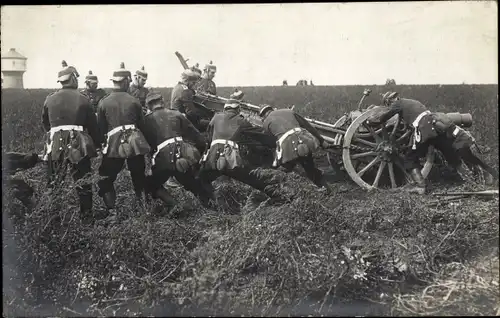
[170,132]
[182,100]
[137,88]
[227,132]
[431,129]
[121,122]
[15,161]
[73,134]
[206,83]
[196,68]
[92,92]
[297,141]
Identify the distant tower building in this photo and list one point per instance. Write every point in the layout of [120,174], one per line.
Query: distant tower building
[13,68]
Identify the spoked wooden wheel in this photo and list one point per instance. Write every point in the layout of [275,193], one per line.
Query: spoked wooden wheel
[373,156]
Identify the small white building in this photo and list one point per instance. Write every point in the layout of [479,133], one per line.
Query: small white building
[13,68]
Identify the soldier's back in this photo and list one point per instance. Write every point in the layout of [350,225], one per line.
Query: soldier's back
[280,121]
[120,108]
[410,109]
[67,107]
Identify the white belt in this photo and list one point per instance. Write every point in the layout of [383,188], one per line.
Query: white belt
[456,131]
[114,131]
[417,136]
[223,142]
[53,130]
[279,151]
[163,145]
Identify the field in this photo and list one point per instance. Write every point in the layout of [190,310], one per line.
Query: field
[350,253]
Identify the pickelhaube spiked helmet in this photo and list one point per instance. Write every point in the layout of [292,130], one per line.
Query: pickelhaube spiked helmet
[189,74]
[142,73]
[121,74]
[91,77]
[388,96]
[66,72]
[210,66]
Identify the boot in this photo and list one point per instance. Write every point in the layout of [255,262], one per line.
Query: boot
[109,199]
[419,180]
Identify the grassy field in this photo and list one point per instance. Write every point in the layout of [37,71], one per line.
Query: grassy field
[350,253]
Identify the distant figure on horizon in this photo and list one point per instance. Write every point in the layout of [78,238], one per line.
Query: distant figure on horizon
[311,83]
[285,83]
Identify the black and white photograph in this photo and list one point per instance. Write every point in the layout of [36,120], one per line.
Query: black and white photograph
[250,159]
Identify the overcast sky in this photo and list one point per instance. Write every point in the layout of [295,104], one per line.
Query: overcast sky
[262,44]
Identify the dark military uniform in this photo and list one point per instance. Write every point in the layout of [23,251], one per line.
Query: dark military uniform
[182,101]
[73,135]
[205,85]
[94,96]
[227,131]
[170,133]
[15,161]
[121,122]
[435,129]
[139,92]
[297,141]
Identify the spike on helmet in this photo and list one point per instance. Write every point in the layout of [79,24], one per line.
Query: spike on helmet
[91,78]
[66,73]
[210,66]
[121,74]
[142,73]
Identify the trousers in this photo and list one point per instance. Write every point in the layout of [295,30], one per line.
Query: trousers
[110,167]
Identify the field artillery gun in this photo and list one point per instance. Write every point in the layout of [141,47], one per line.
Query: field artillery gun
[372,156]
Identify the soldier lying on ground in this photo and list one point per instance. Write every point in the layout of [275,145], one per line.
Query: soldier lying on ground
[73,134]
[297,141]
[13,162]
[169,132]
[121,121]
[432,129]
[227,132]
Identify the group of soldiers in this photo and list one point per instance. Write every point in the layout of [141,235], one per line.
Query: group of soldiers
[132,124]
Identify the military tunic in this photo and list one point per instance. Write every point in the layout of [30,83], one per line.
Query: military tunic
[227,132]
[293,131]
[182,100]
[69,107]
[162,125]
[120,109]
[94,96]
[139,92]
[205,85]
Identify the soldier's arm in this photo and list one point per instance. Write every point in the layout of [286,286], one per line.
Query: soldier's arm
[141,124]
[210,131]
[258,134]
[189,131]
[91,122]
[306,125]
[395,108]
[149,132]
[45,116]
[188,102]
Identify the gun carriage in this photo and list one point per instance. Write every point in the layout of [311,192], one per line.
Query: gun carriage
[372,156]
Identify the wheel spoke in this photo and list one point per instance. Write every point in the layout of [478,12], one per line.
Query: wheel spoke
[379,174]
[363,154]
[395,128]
[364,142]
[391,175]
[406,134]
[373,133]
[368,166]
